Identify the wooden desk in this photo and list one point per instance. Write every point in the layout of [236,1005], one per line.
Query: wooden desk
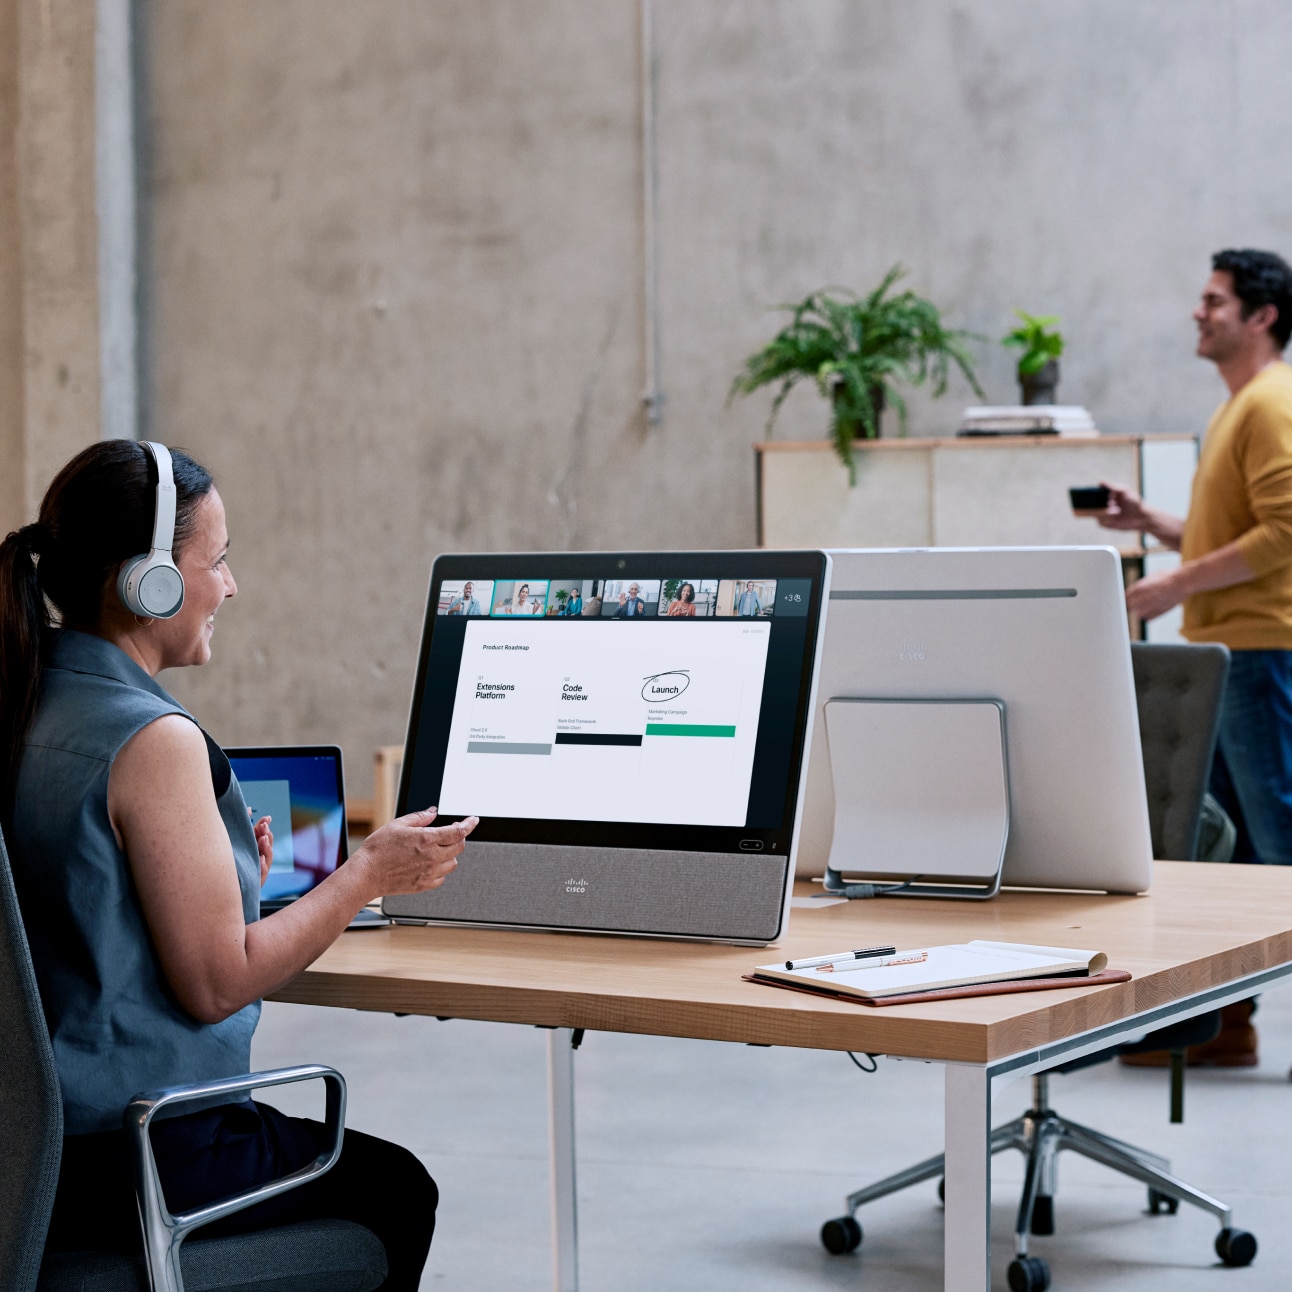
[1205,936]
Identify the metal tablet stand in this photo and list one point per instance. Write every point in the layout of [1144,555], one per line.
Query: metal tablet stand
[921,788]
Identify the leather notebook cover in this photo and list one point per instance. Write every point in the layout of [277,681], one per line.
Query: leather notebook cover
[953,993]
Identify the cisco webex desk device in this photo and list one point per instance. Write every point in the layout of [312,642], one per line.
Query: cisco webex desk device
[631,730]
[977,725]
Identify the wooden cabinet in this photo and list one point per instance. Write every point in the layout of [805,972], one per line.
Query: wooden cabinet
[1011,491]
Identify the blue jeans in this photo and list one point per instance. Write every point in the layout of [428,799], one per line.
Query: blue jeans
[1252,772]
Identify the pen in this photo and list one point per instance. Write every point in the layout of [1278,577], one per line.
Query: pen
[906,958]
[815,962]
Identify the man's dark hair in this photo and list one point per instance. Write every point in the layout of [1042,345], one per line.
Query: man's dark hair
[1260,278]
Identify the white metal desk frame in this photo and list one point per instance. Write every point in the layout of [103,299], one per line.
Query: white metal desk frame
[967,1095]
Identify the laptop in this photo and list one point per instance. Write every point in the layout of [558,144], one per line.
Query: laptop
[302,787]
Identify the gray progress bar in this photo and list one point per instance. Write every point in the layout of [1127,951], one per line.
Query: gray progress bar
[505,747]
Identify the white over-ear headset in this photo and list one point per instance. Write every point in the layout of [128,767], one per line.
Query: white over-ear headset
[151,584]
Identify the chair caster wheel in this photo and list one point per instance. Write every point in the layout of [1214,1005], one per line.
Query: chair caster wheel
[1159,1202]
[841,1235]
[1028,1274]
[1043,1215]
[942,1190]
[1236,1246]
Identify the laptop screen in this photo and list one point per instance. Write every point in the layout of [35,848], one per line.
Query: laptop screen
[302,788]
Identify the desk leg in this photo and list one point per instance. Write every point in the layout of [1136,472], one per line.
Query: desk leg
[968,1177]
[560,1093]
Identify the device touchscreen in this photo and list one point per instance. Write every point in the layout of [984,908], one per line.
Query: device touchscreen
[652,702]
[556,721]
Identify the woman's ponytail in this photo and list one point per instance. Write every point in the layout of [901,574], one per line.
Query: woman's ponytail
[22,620]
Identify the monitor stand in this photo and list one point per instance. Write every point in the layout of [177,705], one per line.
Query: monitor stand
[921,797]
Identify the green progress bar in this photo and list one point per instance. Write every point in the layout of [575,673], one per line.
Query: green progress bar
[686,729]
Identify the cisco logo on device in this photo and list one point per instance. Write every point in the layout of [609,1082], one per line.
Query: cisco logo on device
[911,652]
[576,885]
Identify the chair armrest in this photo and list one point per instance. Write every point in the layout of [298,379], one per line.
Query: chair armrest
[163,1232]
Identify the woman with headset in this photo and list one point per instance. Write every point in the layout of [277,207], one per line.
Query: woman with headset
[138,870]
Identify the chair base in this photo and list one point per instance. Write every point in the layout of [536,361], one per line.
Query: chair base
[1040,1134]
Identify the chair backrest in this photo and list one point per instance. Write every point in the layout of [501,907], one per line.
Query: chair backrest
[31,1106]
[1179,690]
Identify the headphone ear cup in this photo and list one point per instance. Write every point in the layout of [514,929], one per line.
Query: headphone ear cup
[160,590]
[126,584]
[151,586]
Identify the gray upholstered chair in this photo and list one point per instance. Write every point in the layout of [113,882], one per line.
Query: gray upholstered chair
[1178,691]
[318,1256]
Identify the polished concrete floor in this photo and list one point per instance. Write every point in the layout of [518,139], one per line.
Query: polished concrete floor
[711,1166]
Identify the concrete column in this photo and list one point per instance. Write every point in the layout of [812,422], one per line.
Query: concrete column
[12,491]
[49,298]
[117,222]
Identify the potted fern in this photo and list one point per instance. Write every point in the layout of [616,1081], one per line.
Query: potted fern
[1038,365]
[857,349]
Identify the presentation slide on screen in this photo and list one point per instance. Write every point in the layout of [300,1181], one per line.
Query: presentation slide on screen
[648,724]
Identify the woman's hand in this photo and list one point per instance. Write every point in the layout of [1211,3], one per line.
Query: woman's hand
[410,855]
[264,845]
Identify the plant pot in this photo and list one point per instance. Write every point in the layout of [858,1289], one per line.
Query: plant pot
[1040,387]
[877,402]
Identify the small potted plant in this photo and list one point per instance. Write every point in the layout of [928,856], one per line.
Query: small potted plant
[856,349]
[1038,365]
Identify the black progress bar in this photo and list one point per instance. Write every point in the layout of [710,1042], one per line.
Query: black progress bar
[594,738]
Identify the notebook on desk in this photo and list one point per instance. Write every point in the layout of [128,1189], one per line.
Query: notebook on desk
[302,787]
[936,968]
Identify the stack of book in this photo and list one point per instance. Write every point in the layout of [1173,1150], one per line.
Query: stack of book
[1028,419]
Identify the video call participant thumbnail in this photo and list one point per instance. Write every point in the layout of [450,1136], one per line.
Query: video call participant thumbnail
[465,597]
[522,597]
[746,598]
[688,598]
[565,599]
[630,598]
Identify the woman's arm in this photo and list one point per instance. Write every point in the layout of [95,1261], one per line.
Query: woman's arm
[163,809]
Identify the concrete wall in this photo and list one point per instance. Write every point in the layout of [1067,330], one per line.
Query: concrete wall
[49,333]
[395,266]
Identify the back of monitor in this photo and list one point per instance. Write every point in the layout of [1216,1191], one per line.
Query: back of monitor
[1041,630]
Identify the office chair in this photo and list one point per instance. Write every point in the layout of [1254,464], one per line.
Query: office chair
[315,1256]
[1178,692]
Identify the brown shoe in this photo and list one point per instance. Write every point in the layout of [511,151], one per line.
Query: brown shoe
[1234,1047]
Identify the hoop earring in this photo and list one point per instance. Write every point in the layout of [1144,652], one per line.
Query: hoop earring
[143,623]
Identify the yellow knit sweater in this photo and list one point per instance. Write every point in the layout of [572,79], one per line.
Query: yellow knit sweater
[1243,492]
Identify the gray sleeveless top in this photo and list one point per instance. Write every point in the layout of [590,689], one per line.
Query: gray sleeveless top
[115,1025]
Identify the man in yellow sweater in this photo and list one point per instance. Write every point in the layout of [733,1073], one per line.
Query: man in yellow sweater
[1235,574]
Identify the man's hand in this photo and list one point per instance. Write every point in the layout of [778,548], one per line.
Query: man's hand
[1155,594]
[1127,510]
[1158,593]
